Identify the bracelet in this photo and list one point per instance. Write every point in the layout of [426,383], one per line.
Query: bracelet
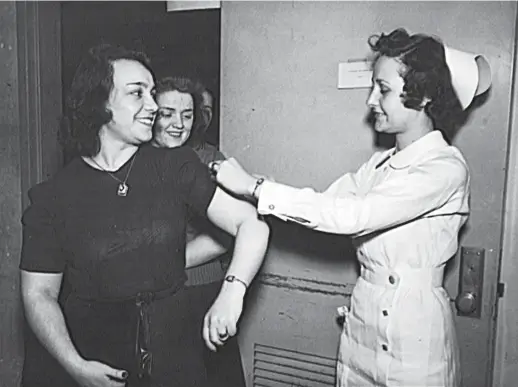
[257,184]
[233,278]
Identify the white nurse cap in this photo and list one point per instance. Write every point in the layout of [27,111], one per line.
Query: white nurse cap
[470,74]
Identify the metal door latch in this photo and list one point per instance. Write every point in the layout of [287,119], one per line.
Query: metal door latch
[471,282]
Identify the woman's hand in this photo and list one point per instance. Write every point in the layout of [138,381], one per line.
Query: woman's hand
[96,374]
[233,177]
[220,322]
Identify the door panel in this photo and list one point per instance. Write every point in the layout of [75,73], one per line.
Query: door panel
[282,115]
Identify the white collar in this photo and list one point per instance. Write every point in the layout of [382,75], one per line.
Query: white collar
[404,158]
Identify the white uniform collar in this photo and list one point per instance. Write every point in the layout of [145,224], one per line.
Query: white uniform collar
[405,158]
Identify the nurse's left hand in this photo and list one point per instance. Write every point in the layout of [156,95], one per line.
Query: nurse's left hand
[221,320]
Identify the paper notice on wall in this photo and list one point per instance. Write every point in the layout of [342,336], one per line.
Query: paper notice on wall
[355,74]
[192,5]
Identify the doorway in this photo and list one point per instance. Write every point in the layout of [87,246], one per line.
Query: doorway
[181,43]
[51,38]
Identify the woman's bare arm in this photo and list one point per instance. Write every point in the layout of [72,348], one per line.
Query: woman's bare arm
[202,249]
[238,218]
[40,293]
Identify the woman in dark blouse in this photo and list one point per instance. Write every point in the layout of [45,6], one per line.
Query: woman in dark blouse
[114,222]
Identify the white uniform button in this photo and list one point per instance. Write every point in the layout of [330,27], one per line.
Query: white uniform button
[271,207]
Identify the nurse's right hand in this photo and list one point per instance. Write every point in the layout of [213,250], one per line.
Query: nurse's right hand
[232,176]
[96,374]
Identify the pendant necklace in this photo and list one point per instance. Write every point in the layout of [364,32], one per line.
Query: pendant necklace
[122,189]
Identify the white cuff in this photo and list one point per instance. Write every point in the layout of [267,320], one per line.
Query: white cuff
[281,201]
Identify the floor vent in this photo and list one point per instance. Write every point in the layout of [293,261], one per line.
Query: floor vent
[282,367]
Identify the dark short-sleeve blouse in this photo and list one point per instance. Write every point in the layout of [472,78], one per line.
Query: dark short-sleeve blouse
[113,247]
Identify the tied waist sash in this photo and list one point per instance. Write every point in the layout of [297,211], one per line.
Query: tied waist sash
[142,347]
[147,295]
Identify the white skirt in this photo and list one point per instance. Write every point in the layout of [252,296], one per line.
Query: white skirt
[399,332]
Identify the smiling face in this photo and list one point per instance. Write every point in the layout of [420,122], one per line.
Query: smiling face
[130,103]
[385,99]
[175,119]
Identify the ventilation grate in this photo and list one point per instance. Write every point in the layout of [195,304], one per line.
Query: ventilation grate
[282,367]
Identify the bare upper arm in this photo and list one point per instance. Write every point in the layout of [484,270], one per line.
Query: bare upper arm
[228,213]
[37,283]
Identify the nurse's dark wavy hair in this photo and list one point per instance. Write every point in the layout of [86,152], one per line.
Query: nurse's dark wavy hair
[425,74]
[195,89]
[85,108]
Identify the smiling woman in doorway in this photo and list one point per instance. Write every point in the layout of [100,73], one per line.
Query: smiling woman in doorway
[403,208]
[114,222]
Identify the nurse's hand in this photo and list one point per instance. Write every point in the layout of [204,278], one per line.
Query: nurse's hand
[221,320]
[233,177]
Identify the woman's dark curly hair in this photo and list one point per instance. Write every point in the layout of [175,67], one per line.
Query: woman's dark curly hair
[425,74]
[85,109]
[195,89]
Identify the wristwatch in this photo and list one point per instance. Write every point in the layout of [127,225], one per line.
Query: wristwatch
[233,278]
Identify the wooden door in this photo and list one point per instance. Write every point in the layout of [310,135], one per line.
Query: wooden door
[282,115]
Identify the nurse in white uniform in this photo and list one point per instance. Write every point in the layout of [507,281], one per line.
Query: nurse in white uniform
[403,208]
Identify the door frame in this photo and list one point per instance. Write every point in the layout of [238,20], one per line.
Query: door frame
[506,310]
[40,90]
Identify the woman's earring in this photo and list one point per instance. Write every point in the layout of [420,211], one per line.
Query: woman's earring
[425,102]
[213,168]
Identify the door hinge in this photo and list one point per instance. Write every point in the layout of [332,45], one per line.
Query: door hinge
[500,289]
